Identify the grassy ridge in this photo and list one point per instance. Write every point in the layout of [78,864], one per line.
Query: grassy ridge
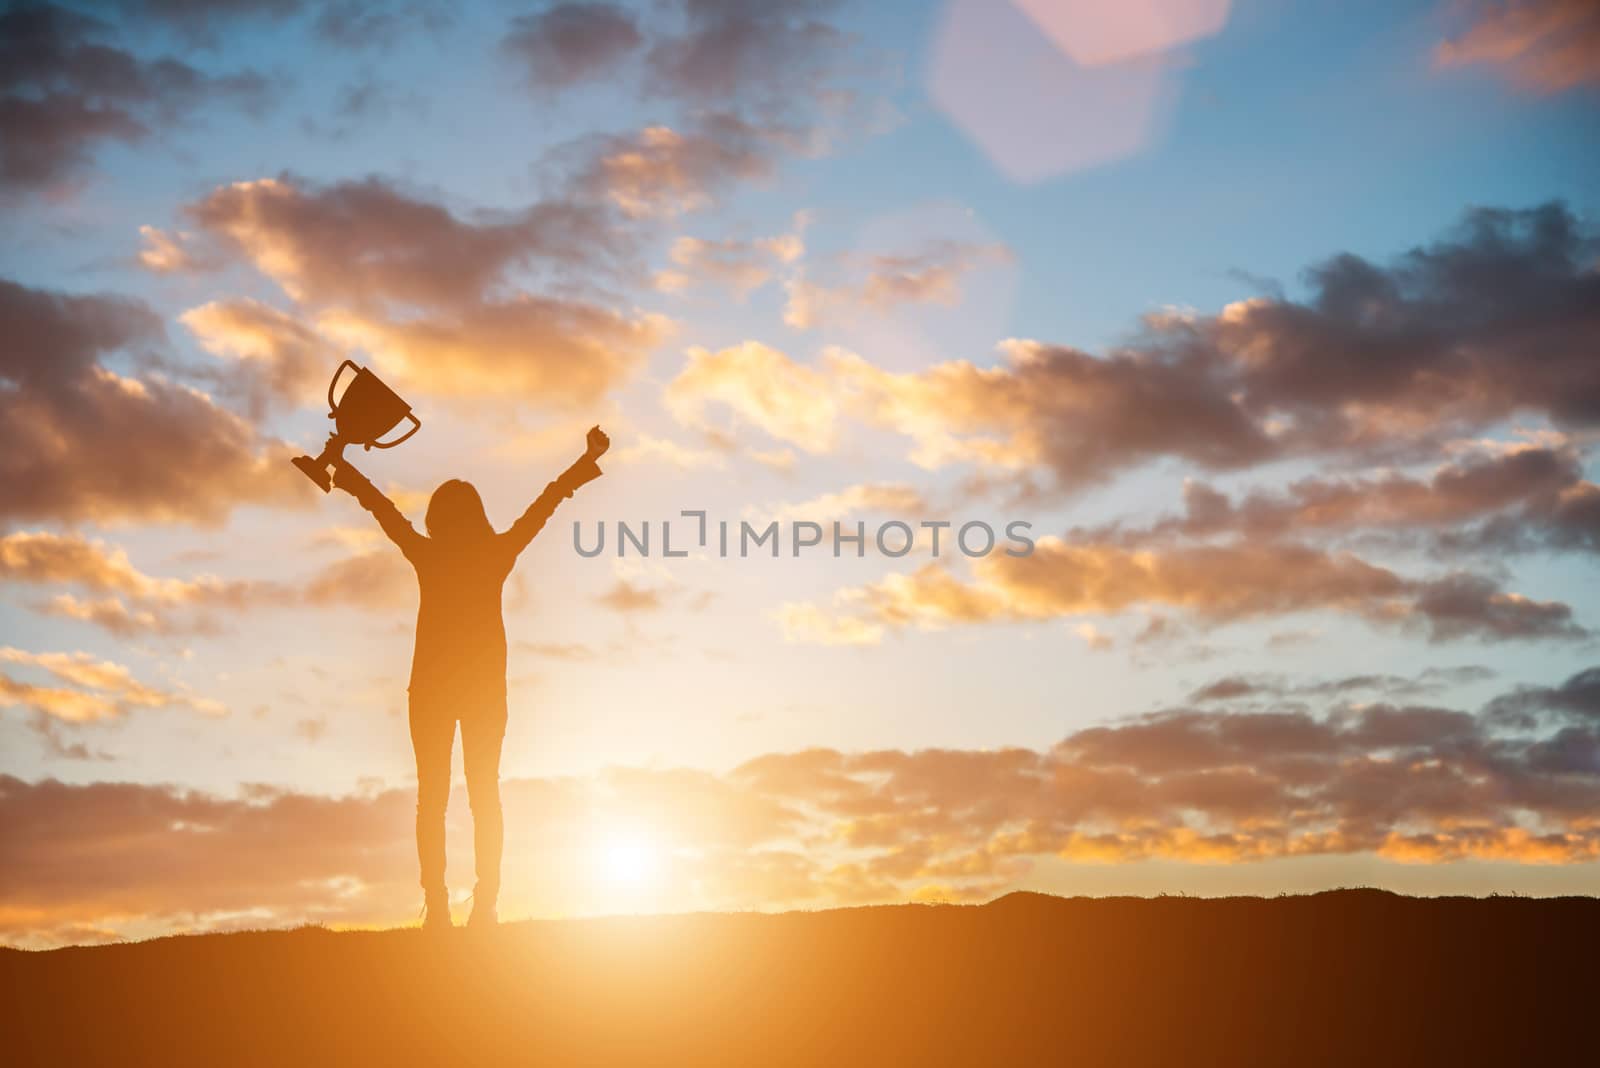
[1337,978]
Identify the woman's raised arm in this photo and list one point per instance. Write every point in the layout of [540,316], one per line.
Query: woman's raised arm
[394,524]
[584,470]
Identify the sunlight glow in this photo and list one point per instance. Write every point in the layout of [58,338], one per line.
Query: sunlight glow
[629,862]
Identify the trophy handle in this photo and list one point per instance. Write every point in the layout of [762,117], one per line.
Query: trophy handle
[332,404]
[416,425]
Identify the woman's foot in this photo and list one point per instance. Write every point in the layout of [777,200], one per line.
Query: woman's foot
[483,911]
[436,911]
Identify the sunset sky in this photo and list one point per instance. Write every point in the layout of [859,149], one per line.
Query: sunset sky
[1279,321]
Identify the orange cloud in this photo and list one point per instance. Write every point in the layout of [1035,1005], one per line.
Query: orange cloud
[1220,583]
[426,291]
[100,689]
[283,358]
[131,601]
[170,253]
[740,265]
[1235,784]
[1543,45]
[80,441]
[660,171]
[930,276]
[762,387]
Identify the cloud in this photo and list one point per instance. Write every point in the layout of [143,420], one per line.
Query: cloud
[429,293]
[370,23]
[111,593]
[930,276]
[170,253]
[278,358]
[766,57]
[346,23]
[1577,700]
[1379,364]
[761,386]
[629,597]
[806,623]
[125,600]
[661,172]
[367,242]
[1214,583]
[1545,46]
[648,449]
[740,265]
[65,90]
[765,51]
[569,43]
[99,689]
[1404,782]
[1390,687]
[896,498]
[79,441]
[199,19]
[1511,497]
[378,580]
[548,351]
[573,651]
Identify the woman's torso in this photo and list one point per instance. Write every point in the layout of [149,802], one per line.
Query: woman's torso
[460,652]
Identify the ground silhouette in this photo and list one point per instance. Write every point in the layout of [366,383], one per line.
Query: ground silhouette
[1347,977]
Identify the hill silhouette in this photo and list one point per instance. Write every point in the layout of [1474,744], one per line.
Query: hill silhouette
[1344,977]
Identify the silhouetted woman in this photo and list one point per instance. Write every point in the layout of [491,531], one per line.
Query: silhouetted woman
[458,670]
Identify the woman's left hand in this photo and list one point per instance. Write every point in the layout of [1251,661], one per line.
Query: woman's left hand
[598,443]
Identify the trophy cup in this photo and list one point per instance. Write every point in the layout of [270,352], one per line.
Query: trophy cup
[365,412]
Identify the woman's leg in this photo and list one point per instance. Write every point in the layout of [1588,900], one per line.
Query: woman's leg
[433,732]
[482,732]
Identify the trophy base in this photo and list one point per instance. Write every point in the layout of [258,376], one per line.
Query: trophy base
[315,471]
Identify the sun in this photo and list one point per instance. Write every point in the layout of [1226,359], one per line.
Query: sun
[629,861]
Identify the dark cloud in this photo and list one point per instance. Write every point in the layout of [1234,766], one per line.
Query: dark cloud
[1211,583]
[200,17]
[568,43]
[66,88]
[765,50]
[1380,364]
[1463,606]
[1518,497]
[766,58]
[1493,320]
[1576,700]
[1391,687]
[378,23]
[80,441]
[345,23]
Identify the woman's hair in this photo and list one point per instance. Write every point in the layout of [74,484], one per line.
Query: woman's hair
[455,513]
